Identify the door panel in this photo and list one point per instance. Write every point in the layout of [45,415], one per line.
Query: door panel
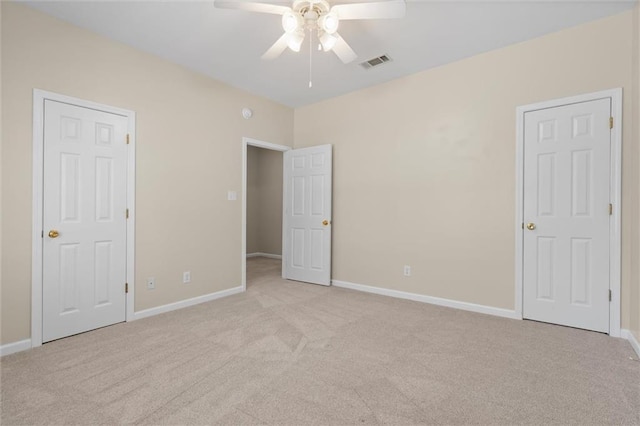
[102,267]
[566,196]
[68,278]
[581,267]
[546,268]
[85,175]
[307,241]
[104,189]
[546,184]
[69,187]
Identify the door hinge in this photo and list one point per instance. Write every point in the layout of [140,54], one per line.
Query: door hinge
[609,295]
[610,209]
[127,214]
[126,287]
[127,138]
[611,122]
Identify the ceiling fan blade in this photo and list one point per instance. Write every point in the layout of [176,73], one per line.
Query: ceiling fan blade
[389,9]
[343,50]
[251,6]
[277,48]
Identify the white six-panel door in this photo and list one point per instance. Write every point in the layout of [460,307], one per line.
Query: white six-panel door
[84,222]
[307,215]
[566,213]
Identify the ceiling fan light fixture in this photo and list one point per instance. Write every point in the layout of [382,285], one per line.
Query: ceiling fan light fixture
[295,40]
[320,18]
[291,21]
[328,41]
[329,23]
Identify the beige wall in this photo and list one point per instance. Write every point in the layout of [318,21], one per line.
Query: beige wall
[189,154]
[424,171]
[635,258]
[264,201]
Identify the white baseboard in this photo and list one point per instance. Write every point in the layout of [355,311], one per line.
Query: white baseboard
[268,255]
[186,303]
[627,334]
[11,348]
[489,310]
[23,345]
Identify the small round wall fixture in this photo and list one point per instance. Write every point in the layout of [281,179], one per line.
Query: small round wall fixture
[247,113]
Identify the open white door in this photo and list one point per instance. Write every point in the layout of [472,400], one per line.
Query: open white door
[307,215]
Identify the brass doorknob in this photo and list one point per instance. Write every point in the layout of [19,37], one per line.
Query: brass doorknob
[325,222]
[531,226]
[53,233]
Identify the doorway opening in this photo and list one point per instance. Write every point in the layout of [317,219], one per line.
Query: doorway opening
[305,211]
[264,213]
[262,206]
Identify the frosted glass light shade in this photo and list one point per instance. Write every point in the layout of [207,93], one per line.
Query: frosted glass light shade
[291,21]
[295,40]
[328,41]
[329,23]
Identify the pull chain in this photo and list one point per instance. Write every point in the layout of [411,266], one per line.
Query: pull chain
[310,56]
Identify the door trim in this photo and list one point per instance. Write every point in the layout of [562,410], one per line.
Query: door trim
[246,142]
[39,96]
[615,182]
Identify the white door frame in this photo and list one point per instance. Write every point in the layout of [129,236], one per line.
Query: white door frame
[615,191]
[246,142]
[39,96]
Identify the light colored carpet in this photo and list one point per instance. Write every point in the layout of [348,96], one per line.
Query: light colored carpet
[297,354]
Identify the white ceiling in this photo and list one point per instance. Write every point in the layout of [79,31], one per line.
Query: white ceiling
[227,44]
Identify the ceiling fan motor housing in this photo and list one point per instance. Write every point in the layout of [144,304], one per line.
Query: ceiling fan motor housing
[303,6]
[314,15]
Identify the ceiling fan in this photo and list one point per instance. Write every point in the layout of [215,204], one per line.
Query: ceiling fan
[318,16]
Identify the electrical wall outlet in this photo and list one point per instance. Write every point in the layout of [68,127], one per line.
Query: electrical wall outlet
[186,277]
[407,270]
[151,283]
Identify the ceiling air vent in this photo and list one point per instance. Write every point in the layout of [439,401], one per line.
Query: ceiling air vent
[375,62]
